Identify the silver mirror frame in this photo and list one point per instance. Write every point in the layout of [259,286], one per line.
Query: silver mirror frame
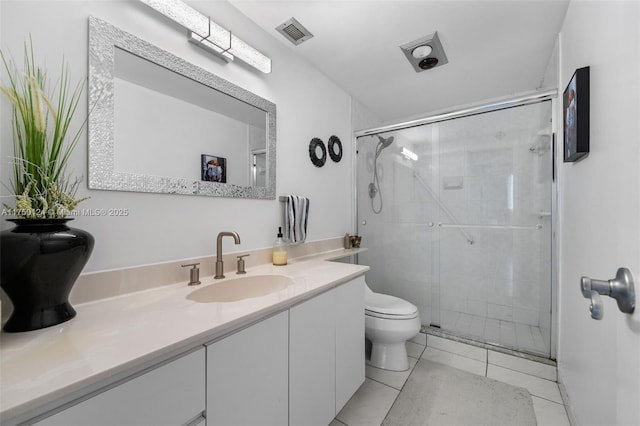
[103,39]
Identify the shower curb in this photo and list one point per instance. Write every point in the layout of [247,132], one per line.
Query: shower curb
[434,331]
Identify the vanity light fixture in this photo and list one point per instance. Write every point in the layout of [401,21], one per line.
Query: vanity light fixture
[207,45]
[210,36]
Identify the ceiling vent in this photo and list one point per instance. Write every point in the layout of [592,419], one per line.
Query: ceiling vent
[294,31]
[425,53]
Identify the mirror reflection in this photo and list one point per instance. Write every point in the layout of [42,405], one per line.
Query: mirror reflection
[156,107]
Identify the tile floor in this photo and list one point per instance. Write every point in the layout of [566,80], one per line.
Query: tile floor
[372,402]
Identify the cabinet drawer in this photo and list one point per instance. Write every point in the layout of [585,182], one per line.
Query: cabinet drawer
[172,394]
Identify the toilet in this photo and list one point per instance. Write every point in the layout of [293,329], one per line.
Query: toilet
[389,323]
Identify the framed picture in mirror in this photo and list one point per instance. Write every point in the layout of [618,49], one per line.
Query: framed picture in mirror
[213,168]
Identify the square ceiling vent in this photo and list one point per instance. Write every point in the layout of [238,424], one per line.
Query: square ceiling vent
[425,53]
[294,31]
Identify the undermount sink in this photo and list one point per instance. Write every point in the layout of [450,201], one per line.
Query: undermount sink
[241,288]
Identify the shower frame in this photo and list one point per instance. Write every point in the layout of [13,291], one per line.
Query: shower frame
[481,108]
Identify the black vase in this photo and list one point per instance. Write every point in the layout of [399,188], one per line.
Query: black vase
[40,262]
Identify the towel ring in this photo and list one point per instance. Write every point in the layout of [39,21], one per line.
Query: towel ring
[335,148]
[313,152]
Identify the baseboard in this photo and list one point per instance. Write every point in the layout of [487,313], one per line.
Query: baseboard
[565,399]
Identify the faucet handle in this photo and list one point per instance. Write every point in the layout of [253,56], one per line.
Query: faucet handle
[194,273]
[240,269]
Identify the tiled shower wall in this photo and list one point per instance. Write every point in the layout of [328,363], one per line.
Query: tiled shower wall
[490,171]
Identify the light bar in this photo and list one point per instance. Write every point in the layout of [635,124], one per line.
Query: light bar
[209,46]
[209,35]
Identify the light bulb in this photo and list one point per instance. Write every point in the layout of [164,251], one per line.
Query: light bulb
[421,51]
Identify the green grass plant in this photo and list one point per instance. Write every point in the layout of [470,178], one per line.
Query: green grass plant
[42,141]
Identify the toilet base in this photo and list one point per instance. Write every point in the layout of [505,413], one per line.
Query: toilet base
[388,339]
[389,356]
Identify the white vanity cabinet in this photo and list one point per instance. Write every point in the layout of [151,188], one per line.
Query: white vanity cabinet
[350,365]
[297,367]
[312,368]
[247,375]
[171,394]
[326,352]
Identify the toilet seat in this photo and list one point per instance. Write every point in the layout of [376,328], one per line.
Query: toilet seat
[388,316]
[388,307]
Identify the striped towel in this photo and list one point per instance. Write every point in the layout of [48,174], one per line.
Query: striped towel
[296,214]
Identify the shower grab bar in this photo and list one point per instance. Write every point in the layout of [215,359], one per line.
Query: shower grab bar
[537,226]
[442,206]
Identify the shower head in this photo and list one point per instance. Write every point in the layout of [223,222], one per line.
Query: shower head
[384,142]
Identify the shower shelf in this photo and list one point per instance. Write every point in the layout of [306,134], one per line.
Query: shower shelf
[455,225]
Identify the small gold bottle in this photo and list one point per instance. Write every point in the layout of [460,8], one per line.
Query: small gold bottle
[279,255]
[346,241]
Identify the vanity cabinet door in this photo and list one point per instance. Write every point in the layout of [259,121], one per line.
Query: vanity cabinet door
[247,375]
[171,394]
[350,364]
[312,361]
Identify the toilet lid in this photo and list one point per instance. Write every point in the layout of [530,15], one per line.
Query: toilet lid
[376,303]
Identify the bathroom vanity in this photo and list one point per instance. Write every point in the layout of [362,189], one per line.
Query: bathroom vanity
[294,356]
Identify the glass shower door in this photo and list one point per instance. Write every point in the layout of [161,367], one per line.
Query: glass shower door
[456,217]
[493,174]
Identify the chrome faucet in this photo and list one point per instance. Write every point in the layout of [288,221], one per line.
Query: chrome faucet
[219,262]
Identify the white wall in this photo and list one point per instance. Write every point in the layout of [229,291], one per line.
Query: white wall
[599,361]
[167,227]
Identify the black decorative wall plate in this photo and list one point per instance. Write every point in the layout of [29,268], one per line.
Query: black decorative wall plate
[317,152]
[335,148]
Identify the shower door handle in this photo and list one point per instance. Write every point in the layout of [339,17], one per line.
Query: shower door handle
[620,288]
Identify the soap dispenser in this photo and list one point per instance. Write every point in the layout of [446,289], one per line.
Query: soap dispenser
[279,250]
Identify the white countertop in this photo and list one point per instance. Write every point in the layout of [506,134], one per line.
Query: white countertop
[114,336]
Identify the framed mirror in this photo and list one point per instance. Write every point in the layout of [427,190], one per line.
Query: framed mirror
[161,124]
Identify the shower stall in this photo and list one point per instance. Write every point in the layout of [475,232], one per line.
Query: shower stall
[457,215]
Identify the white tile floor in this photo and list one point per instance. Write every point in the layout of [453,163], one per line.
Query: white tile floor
[371,403]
